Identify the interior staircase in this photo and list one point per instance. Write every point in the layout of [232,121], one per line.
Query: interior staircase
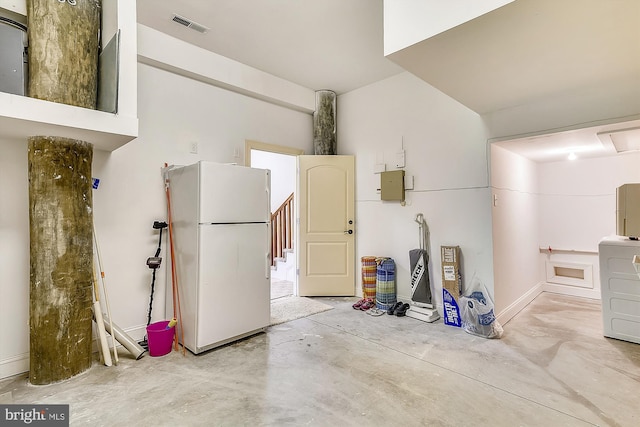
[285,267]
[283,260]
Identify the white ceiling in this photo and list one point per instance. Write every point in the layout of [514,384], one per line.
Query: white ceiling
[322,44]
[589,142]
[529,50]
[552,47]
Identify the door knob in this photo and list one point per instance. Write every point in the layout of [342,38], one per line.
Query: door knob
[348,232]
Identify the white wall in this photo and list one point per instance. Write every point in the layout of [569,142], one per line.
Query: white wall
[445,152]
[568,206]
[173,112]
[14,257]
[515,232]
[283,174]
[578,208]
[407,22]
[578,199]
[183,111]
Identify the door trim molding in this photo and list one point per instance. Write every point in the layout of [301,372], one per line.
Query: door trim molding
[271,148]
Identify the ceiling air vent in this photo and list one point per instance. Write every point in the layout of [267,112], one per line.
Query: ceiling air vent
[622,139]
[189,23]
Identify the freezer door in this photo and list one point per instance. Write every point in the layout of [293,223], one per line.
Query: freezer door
[234,282]
[230,193]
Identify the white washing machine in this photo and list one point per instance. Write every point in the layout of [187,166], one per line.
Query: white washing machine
[620,287]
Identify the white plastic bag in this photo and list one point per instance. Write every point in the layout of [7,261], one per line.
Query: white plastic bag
[476,311]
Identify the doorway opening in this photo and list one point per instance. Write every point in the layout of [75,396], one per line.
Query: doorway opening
[281,161]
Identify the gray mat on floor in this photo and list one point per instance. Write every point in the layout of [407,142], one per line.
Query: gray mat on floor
[291,308]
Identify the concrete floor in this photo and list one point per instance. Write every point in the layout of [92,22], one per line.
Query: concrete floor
[343,367]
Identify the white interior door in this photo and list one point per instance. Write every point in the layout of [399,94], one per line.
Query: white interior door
[326,231]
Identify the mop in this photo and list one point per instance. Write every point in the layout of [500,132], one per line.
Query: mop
[421,292]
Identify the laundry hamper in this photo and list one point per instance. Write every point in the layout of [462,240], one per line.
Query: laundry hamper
[385,283]
[369,267]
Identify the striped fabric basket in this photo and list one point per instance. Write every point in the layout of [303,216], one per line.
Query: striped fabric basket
[369,267]
[385,283]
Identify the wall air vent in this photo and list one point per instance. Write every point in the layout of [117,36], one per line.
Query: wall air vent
[189,23]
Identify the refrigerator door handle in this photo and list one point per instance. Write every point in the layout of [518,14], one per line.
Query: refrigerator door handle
[267,265]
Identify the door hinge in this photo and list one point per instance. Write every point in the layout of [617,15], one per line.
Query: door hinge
[297,271]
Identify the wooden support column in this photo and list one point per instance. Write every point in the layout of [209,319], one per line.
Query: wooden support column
[63,51]
[324,123]
[61,274]
[63,67]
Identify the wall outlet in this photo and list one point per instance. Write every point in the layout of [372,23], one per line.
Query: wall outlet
[193,148]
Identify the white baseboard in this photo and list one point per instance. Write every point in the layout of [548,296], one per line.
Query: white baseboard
[14,365]
[572,291]
[19,364]
[507,314]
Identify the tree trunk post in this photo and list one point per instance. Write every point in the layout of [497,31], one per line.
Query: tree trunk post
[61,273]
[324,123]
[63,68]
[63,51]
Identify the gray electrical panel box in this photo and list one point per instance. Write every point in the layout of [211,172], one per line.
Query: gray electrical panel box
[13,56]
[392,186]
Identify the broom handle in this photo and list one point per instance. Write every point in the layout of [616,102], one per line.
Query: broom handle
[106,297]
[102,334]
[174,276]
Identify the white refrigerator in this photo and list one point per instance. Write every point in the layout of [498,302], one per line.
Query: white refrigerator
[221,224]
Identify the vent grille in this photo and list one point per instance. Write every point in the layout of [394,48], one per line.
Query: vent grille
[622,139]
[189,23]
[576,273]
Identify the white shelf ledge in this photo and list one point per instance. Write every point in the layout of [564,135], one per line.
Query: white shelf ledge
[22,117]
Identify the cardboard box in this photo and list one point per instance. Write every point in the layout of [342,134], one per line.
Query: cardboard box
[451,284]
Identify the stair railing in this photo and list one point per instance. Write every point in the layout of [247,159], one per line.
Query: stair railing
[282,229]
